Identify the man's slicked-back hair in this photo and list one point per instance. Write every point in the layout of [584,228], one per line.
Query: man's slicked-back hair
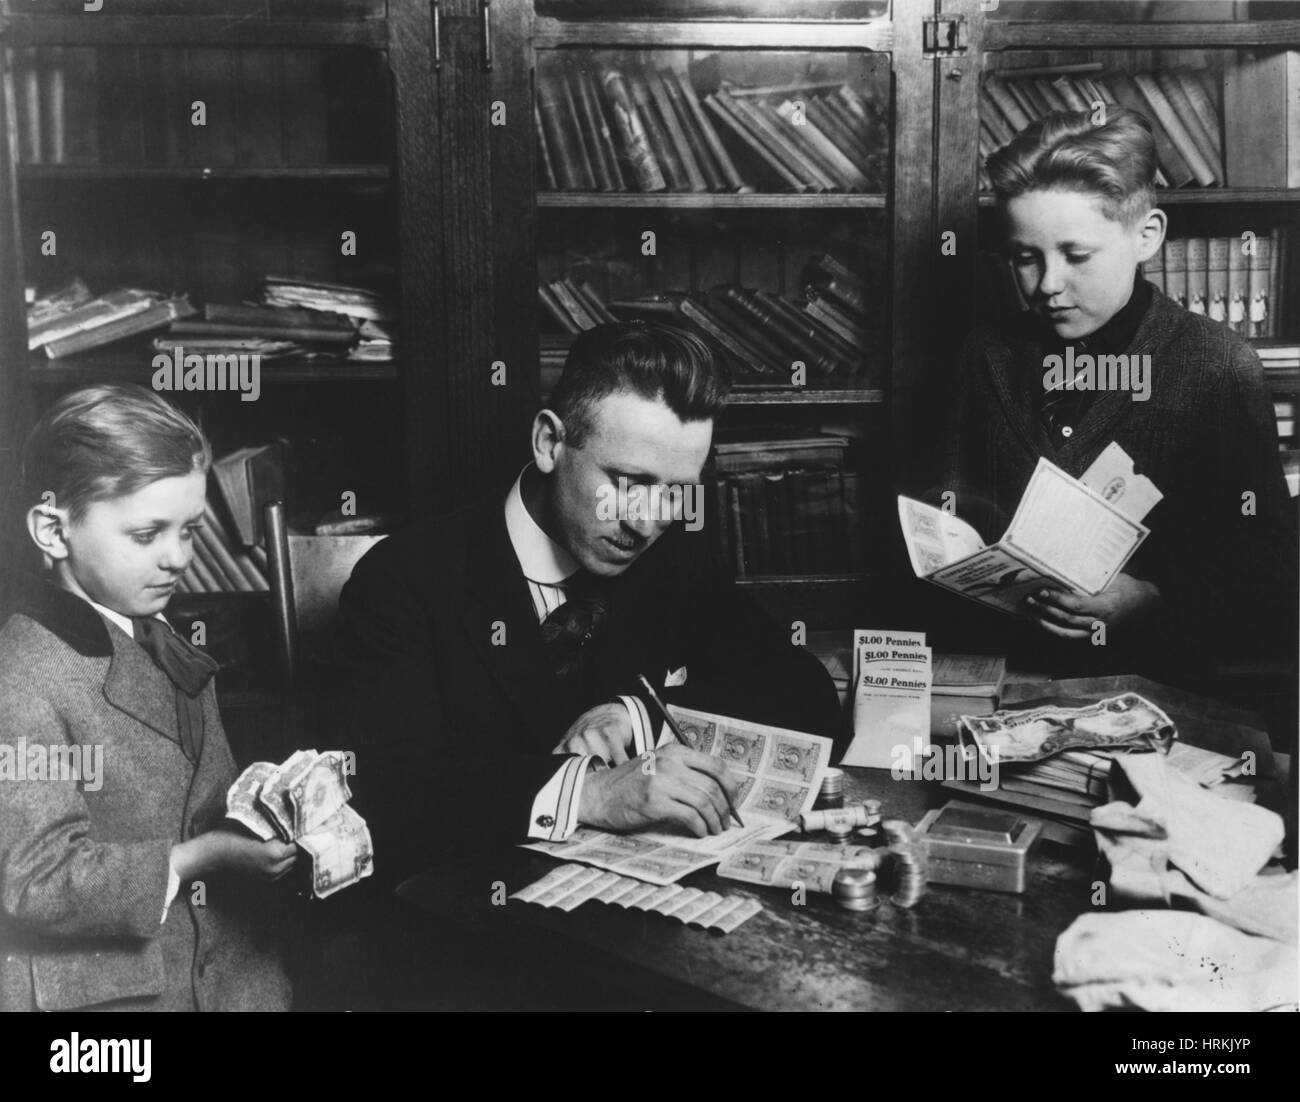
[108,441]
[1114,159]
[649,359]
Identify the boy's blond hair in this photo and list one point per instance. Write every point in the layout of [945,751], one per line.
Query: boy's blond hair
[108,441]
[1114,159]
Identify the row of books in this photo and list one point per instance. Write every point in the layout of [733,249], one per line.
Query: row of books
[220,565]
[1212,127]
[261,107]
[642,128]
[1235,280]
[293,317]
[788,506]
[1281,364]
[759,334]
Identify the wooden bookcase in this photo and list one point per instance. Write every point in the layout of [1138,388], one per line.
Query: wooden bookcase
[301,144]
[456,200]
[756,239]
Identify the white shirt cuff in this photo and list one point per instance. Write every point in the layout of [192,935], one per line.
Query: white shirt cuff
[555,810]
[643,738]
[173,888]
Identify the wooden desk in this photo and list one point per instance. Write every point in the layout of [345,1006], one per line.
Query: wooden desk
[958,949]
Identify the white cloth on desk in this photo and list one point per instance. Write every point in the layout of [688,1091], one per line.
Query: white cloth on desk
[1186,845]
[1219,844]
[1172,960]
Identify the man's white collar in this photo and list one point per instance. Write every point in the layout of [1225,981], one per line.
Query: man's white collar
[542,559]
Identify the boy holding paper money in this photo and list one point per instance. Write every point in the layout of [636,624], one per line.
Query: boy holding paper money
[1182,395]
[116,891]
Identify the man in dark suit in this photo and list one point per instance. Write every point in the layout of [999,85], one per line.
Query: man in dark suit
[494,652]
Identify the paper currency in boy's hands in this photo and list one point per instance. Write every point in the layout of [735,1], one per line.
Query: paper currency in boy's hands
[318,791]
[1127,720]
[274,796]
[242,804]
[341,852]
[305,800]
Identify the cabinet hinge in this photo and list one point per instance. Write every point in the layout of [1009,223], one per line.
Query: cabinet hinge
[943,36]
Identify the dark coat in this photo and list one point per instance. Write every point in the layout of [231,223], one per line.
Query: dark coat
[83,874]
[456,733]
[1206,436]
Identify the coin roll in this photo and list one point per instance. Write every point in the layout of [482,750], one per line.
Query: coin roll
[842,819]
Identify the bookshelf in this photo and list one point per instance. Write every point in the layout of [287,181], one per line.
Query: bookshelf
[426,145]
[298,143]
[301,141]
[758,223]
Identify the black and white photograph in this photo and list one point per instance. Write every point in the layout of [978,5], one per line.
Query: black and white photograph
[542,506]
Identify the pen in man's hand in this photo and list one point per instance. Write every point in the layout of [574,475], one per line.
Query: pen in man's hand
[677,733]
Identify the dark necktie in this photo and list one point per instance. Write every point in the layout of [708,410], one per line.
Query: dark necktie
[189,671]
[1063,407]
[568,631]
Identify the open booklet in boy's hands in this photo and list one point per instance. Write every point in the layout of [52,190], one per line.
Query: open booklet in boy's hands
[1076,532]
[305,800]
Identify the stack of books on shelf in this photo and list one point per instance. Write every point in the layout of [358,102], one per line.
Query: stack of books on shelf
[1233,126]
[625,126]
[302,318]
[1281,362]
[760,335]
[1237,280]
[270,332]
[72,320]
[788,505]
[361,303]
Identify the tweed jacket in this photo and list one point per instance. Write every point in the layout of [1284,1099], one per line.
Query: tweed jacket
[1222,547]
[83,873]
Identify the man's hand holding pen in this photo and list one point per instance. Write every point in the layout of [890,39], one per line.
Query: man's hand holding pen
[671,785]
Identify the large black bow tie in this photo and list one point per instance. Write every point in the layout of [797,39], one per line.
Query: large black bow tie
[187,666]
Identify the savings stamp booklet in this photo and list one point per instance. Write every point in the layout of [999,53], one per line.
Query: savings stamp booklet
[1077,532]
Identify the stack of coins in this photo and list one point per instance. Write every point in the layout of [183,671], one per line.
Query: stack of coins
[866,833]
[854,889]
[832,790]
[909,872]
